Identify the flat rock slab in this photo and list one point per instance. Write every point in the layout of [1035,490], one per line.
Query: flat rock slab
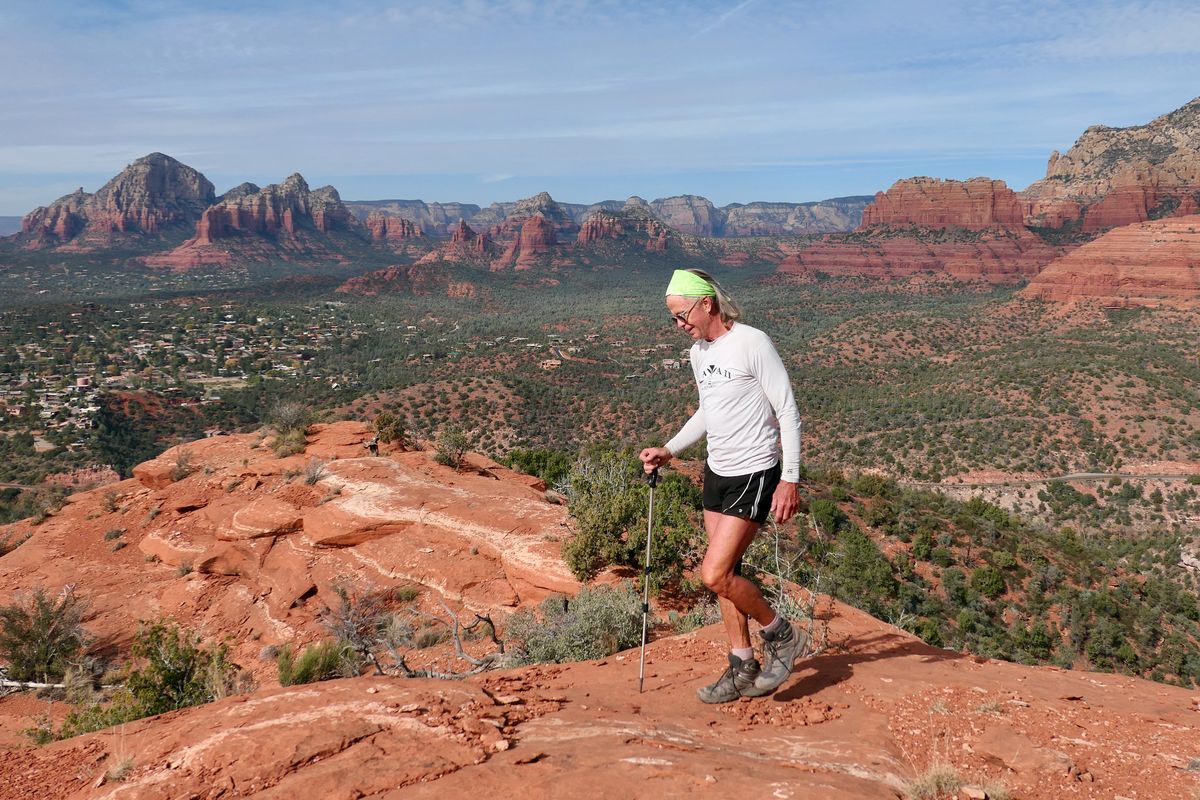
[263,516]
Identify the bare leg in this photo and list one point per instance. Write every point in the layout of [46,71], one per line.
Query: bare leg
[728,538]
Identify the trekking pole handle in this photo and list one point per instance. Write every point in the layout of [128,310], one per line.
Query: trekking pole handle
[652,477]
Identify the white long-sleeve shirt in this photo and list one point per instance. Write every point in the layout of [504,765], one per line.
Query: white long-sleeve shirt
[746,407]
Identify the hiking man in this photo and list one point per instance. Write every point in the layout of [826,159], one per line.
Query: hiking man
[747,411]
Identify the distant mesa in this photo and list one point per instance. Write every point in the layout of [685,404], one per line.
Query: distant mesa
[934,203]
[1149,264]
[688,214]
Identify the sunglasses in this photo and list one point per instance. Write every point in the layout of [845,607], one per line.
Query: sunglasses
[682,316]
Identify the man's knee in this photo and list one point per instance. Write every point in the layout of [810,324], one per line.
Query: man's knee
[717,579]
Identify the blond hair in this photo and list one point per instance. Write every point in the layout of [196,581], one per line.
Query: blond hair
[727,307]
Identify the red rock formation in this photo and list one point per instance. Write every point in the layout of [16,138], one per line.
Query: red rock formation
[930,202]
[256,224]
[1148,264]
[151,195]
[628,226]
[996,255]
[388,228]
[1119,176]
[537,235]
[849,724]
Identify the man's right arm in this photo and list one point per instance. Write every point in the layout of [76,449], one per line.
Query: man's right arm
[693,431]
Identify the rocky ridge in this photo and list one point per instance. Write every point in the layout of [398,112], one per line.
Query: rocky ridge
[993,255]
[280,219]
[1146,265]
[1120,176]
[689,214]
[147,199]
[870,713]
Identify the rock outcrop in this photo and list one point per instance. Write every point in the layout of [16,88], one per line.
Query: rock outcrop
[1148,264]
[994,255]
[934,203]
[791,219]
[421,279]
[278,220]
[152,196]
[689,214]
[852,723]
[269,549]
[385,227]
[1120,176]
[433,219]
[695,215]
[634,226]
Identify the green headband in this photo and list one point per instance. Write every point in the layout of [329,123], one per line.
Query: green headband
[689,284]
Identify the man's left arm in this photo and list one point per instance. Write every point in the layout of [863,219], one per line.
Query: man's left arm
[773,377]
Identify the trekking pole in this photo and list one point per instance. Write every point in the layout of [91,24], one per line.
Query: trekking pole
[652,479]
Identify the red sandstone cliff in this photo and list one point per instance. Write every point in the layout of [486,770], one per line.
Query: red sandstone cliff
[150,197]
[995,255]
[250,223]
[1118,176]
[388,228]
[931,202]
[1148,264]
[637,227]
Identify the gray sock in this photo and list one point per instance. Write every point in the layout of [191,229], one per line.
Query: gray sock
[775,624]
[744,653]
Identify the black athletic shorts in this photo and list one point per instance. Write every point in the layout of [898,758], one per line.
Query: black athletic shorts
[745,496]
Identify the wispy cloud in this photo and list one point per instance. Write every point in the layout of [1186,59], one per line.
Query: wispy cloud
[605,93]
[721,19]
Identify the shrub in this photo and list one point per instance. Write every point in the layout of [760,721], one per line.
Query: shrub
[174,671]
[863,575]
[390,428]
[40,634]
[452,446]
[290,415]
[115,533]
[178,671]
[290,443]
[939,782]
[552,466]
[183,466]
[597,622]
[608,497]
[314,470]
[319,662]
[829,518]
[988,581]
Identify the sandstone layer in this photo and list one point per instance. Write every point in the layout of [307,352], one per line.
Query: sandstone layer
[1150,264]
[930,202]
[995,255]
[864,719]
[265,549]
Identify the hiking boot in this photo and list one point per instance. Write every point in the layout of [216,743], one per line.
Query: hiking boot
[738,677]
[780,651]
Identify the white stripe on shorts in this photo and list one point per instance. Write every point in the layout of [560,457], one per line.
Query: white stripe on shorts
[754,509]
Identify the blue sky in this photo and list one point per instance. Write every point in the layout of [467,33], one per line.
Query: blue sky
[482,100]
